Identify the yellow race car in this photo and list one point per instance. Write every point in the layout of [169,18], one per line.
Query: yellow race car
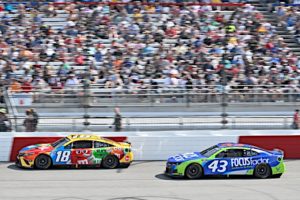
[77,150]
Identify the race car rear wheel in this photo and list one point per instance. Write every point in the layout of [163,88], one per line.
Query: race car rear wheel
[262,171]
[42,162]
[193,171]
[110,162]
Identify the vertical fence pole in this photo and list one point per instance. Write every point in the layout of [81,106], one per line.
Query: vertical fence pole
[86,116]
[285,123]
[224,103]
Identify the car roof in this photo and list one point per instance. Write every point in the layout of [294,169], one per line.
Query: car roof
[78,137]
[232,144]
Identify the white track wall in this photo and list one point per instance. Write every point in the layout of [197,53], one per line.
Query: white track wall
[156,145]
[160,148]
[6,140]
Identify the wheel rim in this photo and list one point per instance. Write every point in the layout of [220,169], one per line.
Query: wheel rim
[110,161]
[193,171]
[262,170]
[43,162]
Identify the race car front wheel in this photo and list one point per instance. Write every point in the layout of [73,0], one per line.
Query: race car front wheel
[262,171]
[110,162]
[193,171]
[42,162]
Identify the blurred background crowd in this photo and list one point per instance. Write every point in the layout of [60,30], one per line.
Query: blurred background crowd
[141,46]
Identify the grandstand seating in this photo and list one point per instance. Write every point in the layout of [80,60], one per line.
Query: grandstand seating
[136,47]
[187,63]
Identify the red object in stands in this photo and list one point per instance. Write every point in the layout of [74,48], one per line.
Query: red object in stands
[156,3]
[290,144]
[21,142]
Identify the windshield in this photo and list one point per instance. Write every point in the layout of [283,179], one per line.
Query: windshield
[210,151]
[60,142]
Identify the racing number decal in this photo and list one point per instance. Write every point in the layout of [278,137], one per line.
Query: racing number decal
[218,165]
[63,156]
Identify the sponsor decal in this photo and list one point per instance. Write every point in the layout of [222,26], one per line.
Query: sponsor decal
[247,162]
[182,157]
[278,168]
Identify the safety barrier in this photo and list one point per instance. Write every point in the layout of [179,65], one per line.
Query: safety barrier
[162,144]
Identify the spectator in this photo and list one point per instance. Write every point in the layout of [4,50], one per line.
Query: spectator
[117,120]
[72,82]
[29,122]
[15,86]
[35,117]
[26,86]
[5,124]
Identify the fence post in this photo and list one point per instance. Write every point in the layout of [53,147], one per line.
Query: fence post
[285,123]
[16,123]
[128,123]
[233,123]
[187,98]
[224,114]
[180,123]
[86,116]
[224,103]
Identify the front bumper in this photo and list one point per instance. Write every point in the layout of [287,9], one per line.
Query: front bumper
[172,171]
[24,163]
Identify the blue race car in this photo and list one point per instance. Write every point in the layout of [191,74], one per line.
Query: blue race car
[227,159]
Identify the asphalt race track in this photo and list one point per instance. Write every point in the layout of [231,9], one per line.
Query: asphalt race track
[141,181]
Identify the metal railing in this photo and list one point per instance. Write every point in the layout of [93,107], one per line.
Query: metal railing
[76,124]
[82,103]
[151,97]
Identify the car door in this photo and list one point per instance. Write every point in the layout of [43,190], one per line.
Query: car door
[61,155]
[219,164]
[101,149]
[82,152]
[240,161]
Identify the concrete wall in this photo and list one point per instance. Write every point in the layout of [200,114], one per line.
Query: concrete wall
[160,145]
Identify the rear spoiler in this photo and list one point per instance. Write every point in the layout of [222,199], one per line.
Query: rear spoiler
[127,142]
[278,151]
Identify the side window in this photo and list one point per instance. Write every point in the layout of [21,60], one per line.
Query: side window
[230,153]
[82,144]
[253,153]
[233,153]
[68,146]
[249,153]
[101,144]
[222,154]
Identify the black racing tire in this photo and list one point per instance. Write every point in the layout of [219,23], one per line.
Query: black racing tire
[110,162]
[262,171]
[42,162]
[194,171]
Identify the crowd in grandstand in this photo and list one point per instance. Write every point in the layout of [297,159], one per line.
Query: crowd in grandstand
[137,46]
[288,17]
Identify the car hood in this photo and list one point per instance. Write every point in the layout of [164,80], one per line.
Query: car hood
[37,147]
[186,157]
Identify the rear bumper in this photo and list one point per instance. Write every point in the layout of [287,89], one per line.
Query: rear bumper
[279,169]
[127,159]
